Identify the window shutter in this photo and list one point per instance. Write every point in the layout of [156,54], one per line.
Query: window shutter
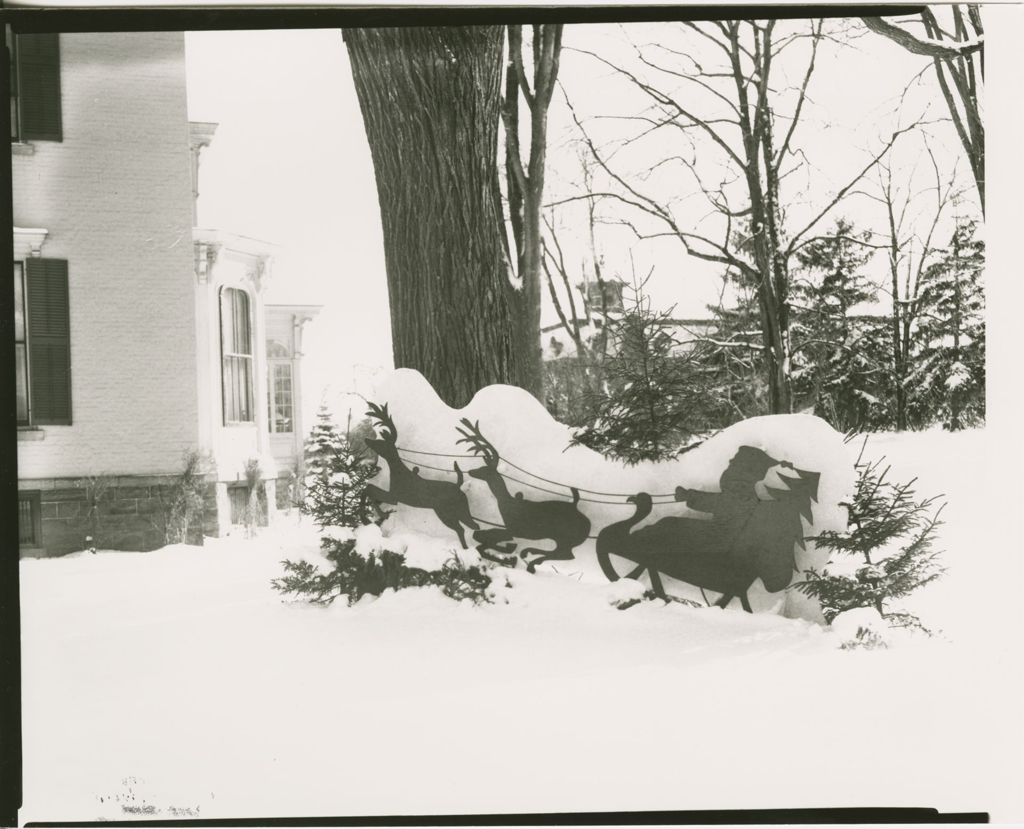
[49,341]
[39,86]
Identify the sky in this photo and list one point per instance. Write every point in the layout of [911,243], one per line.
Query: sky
[290,164]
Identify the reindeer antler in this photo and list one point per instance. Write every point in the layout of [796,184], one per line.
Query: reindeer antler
[478,444]
[389,431]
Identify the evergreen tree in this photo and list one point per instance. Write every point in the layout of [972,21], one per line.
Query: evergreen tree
[839,359]
[653,398]
[947,382]
[338,467]
[733,354]
[886,553]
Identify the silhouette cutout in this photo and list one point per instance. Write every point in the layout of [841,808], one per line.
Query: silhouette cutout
[744,538]
[559,521]
[445,498]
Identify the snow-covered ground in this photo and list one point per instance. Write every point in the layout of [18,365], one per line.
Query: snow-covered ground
[177,683]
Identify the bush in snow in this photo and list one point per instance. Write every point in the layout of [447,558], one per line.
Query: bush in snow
[254,514]
[362,565]
[864,639]
[885,555]
[97,488]
[338,466]
[653,399]
[182,504]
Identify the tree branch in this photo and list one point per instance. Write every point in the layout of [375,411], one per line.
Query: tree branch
[921,46]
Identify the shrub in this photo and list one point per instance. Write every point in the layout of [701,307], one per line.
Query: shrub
[255,513]
[182,503]
[355,576]
[885,554]
[97,488]
[338,467]
[654,397]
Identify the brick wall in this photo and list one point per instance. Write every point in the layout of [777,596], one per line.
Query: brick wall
[116,198]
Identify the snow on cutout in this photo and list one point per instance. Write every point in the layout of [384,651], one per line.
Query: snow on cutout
[506,433]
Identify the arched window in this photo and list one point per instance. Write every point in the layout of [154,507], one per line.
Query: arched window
[276,351]
[236,355]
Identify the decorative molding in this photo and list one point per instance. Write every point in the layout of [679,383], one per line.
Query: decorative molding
[260,272]
[200,133]
[28,242]
[205,258]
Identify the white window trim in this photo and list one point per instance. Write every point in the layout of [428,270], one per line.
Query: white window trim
[28,242]
[271,363]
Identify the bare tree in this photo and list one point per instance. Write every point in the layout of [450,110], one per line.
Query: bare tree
[752,130]
[957,50]
[431,104]
[525,181]
[910,250]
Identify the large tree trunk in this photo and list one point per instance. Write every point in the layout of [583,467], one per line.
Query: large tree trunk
[431,99]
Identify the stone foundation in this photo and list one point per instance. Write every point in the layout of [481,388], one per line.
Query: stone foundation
[128,513]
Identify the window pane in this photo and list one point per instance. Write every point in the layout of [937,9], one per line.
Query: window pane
[236,342]
[19,303]
[282,397]
[227,328]
[26,524]
[245,392]
[21,363]
[13,82]
[243,341]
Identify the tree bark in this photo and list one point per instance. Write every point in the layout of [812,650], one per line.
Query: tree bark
[526,182]
[431,104]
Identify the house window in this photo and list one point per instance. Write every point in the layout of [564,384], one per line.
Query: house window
[42,342]
[13,55]
[29,520]
[236,353]
[35,86]
[20,345]
[604,295]
[281,412]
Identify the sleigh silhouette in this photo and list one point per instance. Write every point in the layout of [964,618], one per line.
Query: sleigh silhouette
[746,531]
[743,538]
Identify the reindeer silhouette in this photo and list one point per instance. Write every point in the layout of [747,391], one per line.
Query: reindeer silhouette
[445,498]
[559,521]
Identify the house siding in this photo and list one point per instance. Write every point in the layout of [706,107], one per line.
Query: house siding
[115,197]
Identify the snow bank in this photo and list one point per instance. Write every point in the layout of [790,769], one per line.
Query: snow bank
[545,467]
[178,681]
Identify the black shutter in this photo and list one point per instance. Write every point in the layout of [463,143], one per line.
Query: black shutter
[39,86]
[49,341]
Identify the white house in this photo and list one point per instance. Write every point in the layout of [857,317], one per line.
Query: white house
[139,337]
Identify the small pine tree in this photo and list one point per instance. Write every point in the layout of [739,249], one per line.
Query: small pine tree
[354,576]
[947,383]
[886,553]
[338,467]
[839,360]
[653,398]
